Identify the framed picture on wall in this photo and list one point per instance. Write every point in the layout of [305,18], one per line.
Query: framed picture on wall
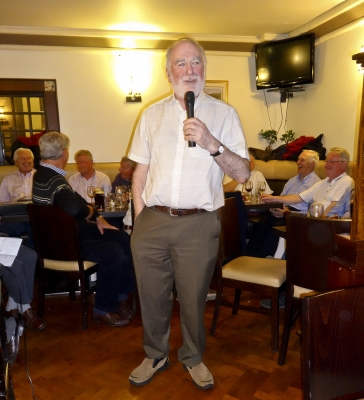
[217,89]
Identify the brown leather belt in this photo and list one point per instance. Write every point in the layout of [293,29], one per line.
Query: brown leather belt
[178,212]
[128,227]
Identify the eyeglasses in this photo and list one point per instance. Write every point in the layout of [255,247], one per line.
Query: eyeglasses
[331,161]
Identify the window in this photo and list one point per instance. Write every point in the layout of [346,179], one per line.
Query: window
[27,106]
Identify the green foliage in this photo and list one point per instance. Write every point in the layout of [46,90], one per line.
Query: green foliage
[270,136]
[288,137]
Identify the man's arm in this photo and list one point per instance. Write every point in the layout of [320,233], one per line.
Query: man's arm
[139,180]
[230,186]
[287,199]
[329,208]
[232,164]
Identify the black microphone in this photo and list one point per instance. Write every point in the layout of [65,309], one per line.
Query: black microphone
[190,105]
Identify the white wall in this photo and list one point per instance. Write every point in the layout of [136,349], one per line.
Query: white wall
[94,114]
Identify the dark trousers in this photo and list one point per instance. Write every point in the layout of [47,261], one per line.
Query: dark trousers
[19,278]
[263,242]
[17,229]
[115,273]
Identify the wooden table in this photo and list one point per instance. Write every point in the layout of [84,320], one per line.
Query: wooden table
[14,212]
[113,212]
[280,231]
[261,207]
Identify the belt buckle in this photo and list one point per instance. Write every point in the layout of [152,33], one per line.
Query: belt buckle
[173,215]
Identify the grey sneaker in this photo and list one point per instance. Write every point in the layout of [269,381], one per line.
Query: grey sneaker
[146,370]
[201,376]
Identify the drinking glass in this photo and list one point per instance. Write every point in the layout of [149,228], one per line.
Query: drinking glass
[316,210]
[99,199]
[121,196]
[261,189]
[91,192]
[249,188]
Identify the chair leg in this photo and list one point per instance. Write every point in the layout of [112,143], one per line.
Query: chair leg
[41,294]
[217,308]
[84,305]
[72,289]
[288,317]
[275,320]
[236,301]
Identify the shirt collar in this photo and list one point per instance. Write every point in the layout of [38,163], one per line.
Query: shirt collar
[306,178]
[28,174]
[59,170]
[337,178]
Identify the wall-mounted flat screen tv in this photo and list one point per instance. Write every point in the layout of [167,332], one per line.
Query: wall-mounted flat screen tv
[285,63]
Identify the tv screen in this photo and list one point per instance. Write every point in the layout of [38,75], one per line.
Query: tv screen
[285,63]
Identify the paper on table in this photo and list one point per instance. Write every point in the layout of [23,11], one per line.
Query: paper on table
[9,248]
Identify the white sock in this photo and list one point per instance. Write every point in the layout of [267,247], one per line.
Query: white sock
[11,304]
[23,307]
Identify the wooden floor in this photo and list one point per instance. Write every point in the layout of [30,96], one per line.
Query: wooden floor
[65,362]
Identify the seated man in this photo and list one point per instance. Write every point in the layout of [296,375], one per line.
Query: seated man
[263,242]
[230,185]
[125,174]
[19,183]
[15,186]
[19,280]
[88,176]
[100,242]
[124,177]
[328,191]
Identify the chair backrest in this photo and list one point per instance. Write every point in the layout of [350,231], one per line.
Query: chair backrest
[242,218]
[55,233]
[310,243]
[332,345]
[229,243]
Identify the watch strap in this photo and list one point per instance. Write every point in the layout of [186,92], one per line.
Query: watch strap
[217,153]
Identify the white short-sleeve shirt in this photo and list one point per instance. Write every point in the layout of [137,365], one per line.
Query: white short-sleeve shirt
[326,192]
[180,176]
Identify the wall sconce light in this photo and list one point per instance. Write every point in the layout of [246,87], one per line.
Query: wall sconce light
[134,95]
[359,61]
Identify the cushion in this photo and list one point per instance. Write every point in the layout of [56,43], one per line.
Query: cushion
[66,265]
[262,271]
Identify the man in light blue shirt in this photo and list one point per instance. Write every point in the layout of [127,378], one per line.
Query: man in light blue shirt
[263,242]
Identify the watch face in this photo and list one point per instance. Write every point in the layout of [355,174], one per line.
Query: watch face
[221,149]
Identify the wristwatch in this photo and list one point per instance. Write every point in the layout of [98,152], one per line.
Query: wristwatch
[220,150]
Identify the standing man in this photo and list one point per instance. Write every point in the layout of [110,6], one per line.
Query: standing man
[87,175]
[176,191]
[328,191]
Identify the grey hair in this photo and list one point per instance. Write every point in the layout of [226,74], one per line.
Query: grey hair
[312,156]
[132,163]
[343,154]
[174,44]
[83,153]
[17,151]
[52,145]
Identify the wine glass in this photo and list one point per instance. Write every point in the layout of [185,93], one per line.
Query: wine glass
[249,188]
[91,192]
[261,188]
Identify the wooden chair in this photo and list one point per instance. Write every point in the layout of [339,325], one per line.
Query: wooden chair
[332,345]
[309,244]
[59,252]
[265,276]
